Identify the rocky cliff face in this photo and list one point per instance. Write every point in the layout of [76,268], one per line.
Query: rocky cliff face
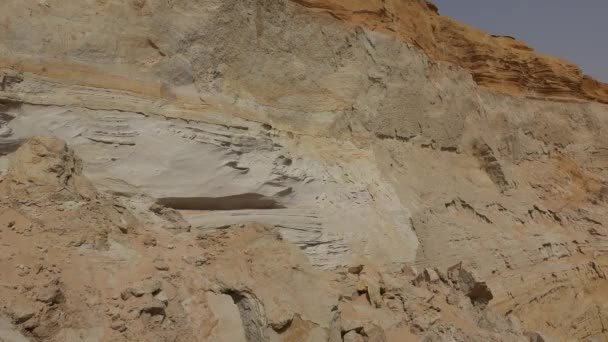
[294,171]
[497,63]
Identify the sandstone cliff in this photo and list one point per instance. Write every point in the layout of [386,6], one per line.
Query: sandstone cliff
[499,63]
[311,170]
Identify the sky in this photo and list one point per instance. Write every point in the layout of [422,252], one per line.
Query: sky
[576,30]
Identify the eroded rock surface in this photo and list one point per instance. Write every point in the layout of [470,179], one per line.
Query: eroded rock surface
[294,171]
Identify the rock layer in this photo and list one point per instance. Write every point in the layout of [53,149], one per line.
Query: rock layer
[499,63]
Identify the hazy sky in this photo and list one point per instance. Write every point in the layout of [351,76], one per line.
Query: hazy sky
[574,29]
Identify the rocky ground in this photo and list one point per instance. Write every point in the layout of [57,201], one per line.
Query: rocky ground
[310,170]
[81,265]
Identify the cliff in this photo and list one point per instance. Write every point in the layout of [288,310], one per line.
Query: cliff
[498,63]
[253,170]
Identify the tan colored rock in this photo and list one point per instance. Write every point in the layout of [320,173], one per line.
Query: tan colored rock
[229,326]
[50,295]
[8,333]
[152,306]
[149,286]
[255,269]
[353,336]
[375,334]
[371,286]
[45,169]
[468,281]
[418,22]
[22,310]
[535,337]
[427,276]
[340,130]
[119,325]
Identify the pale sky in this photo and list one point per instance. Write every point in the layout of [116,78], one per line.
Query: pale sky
[576,30]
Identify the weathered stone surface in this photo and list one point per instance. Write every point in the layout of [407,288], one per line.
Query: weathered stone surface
[353,336]
[22,311]
[45,169]
[149,286]
[535,337]
[8,333]
[427,276]
[229,323]
[491,59]
[319,122]
[50,295]
[119,325]
[153,307]
[468,281]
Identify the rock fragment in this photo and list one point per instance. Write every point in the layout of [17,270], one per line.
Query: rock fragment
[161,265]
[50,295]
[427,276]
[353,336]
[534,336]
[468,281]
[355,269]
[162,296]
[374,333]
[153,307]
[21,312]
[141,288]
[119,325]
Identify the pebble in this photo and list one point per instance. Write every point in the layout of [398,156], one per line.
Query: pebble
[119,325]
